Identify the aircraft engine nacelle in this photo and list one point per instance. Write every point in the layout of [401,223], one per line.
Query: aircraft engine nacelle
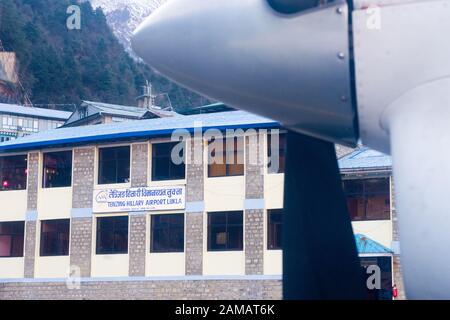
[378,71]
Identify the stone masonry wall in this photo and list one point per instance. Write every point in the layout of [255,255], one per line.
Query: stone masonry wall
[194,243]
[81,227]
[254,218]
[146,290]
[137,251]
[30,248]
[139,164]
[254,242]
[83,177]
[194,171]
[33,178]
[81,245]
[138,223]
[194,220]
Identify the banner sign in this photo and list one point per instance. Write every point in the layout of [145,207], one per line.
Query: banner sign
[138,199]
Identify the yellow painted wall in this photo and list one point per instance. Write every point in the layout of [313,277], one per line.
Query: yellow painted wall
[13,205]
[273,190]
[273,262]
[110,265]
[54,203]
[224,193]
[224,263]
[52,267]
[165,264]
[12,268]
[378,230]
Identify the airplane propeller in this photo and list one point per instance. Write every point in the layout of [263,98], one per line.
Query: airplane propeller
[375,70]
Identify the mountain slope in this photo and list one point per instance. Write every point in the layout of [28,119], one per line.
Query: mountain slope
[124,16]
[58,65]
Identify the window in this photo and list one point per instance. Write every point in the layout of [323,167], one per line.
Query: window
[274,166]
[167,233]
[114,165]
[112,235]
[57,169]
[225,161]
[274,228]
[368,199]
[13,173]
[163,168]
[225,231]
[55,236]
[11,239]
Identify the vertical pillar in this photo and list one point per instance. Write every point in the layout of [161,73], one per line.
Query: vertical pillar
[31,216]
[254,205]
[138,220]
[396,263]
[81,221]
[195,173]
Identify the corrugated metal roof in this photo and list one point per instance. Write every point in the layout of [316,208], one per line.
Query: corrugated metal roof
[34,112]
[366,245]
[115,109]
[365,158]
[137,129]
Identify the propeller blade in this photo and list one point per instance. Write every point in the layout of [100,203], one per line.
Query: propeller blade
[320,260]
[247,55]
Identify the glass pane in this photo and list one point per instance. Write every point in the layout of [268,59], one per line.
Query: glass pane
[114,165]
[5,245]
[160,169]
[13,173]
[235,238]
[57,169]
[167,233]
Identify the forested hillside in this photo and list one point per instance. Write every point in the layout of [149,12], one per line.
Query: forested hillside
[58,65]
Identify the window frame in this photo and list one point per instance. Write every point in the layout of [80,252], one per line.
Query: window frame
[366,195]
[63,251]
[100,162]
[114,232]
[227,226]
[13,235]
[15,168]
[228,166]
[271,237]
[170,230]
[153,157]
[43,176]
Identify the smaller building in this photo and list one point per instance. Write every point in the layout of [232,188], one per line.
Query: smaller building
[18,121]
[92,113]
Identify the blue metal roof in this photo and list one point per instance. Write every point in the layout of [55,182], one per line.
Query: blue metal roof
[137,129]
[34,112]
[366,245]
[365,158]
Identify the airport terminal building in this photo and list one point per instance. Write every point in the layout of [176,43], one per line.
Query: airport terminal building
[102,212]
